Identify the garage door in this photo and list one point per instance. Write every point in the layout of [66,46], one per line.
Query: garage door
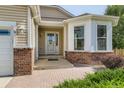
[6,53]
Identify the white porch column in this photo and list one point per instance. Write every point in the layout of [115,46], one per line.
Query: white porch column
[65,39]
[36,42]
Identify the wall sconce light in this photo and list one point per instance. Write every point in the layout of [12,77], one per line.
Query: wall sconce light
[20,29]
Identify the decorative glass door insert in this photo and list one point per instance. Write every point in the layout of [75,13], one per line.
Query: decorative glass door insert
[52,43]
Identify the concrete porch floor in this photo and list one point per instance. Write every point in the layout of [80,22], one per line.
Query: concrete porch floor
[43,63]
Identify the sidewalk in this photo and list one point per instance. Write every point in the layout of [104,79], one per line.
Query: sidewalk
[4,81]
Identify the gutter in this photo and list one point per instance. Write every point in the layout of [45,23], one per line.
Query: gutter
[36,13]
[37,17]
[114,19]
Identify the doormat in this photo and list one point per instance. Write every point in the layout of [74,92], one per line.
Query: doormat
[53,59]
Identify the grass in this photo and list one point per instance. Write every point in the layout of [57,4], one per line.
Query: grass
[109,78]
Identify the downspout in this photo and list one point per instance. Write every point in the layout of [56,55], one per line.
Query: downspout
[37,18]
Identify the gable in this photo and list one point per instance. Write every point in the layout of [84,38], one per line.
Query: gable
[53,14]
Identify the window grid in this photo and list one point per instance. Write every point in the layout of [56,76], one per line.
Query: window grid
[102,39]
[79,38]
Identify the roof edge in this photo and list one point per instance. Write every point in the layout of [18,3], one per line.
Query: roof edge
[114,19]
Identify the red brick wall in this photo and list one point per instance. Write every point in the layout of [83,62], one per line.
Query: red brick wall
[22,61]
[85,57]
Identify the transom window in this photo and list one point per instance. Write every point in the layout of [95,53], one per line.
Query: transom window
[101,37]
[79,38]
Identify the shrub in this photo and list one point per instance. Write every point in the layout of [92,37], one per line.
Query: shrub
[113,61]
[108,78]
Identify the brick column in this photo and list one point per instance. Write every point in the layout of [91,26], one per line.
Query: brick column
[22,61]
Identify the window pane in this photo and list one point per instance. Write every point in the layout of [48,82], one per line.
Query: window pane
[79,32]
[79,38]
[79,44]
[101,43]
[50,38]
[101,30]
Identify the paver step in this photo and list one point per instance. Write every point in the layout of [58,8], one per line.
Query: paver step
[50,67]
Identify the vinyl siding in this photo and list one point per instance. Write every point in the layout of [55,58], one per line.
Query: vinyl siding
[52,14]
[18,14]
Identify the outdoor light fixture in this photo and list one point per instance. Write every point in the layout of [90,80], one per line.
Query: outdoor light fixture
[20,29]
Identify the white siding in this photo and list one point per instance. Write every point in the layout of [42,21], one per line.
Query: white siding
[52,14]
[16,14]
[94,34]
[87,33]
[90,34]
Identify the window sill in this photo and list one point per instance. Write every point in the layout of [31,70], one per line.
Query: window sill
[102,51]
[76,50]
[89,51]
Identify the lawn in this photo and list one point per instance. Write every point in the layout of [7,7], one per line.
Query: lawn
[108,78]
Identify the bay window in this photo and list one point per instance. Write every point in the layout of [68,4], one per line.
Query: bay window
[101,37]
[79,38]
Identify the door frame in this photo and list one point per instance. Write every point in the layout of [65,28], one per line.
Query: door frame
[46,32]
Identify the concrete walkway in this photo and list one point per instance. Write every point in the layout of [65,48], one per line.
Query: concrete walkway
[4,81]
[45,64]
[49,78]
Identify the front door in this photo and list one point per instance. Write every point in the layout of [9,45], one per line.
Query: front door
[52,43]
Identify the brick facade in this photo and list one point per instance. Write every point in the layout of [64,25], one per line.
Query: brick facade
[86,57]
[22,61]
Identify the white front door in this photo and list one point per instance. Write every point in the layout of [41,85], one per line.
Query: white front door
[52,43]
[6,53]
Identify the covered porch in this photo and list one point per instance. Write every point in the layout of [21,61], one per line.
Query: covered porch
[50,46]
[50,41]
[50,62]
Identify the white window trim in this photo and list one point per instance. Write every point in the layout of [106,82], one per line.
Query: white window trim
[78,38]
[78,25]
[71,26]
[103,37]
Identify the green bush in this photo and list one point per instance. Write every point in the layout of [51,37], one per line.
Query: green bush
[109,78]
